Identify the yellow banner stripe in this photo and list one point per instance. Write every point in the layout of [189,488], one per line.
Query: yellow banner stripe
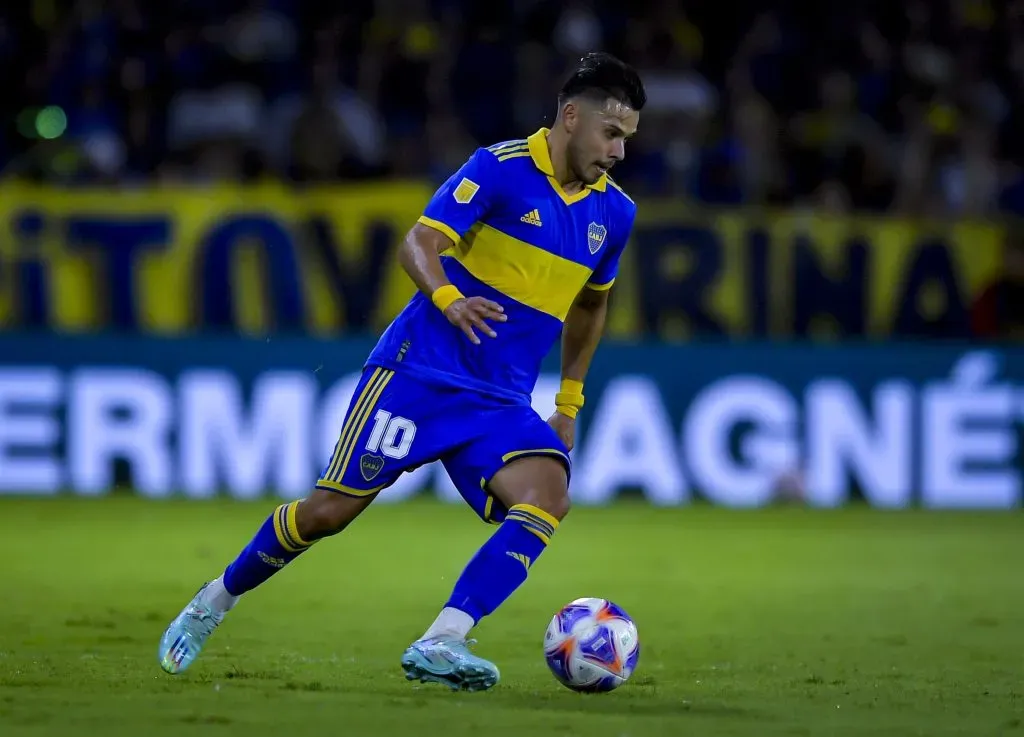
[187,224]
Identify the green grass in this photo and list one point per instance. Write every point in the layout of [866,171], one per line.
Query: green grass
[776,622]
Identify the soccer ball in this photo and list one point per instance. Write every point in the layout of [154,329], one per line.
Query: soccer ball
[591,645]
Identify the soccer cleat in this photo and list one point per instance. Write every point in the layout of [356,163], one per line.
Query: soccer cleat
[449,662]
[186,635]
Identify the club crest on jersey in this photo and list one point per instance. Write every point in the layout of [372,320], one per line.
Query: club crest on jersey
[370,466]
[465,191]
[595,236]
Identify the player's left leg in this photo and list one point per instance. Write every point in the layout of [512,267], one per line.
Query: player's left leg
[535,492]
[350,482]
[528,495]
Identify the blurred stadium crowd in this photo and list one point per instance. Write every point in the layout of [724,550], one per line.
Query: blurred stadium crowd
[913,107]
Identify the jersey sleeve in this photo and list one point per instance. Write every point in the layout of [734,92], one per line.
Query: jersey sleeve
[608,268]
[465,198]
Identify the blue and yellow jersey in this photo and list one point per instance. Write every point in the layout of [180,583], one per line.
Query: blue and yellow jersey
[520,240]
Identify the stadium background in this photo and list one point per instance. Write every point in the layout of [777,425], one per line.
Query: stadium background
[200,204]
[821,306]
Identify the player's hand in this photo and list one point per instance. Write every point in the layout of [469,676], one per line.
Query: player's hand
[473,312]
[565,426]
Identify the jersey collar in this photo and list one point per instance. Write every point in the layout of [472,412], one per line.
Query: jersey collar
[541,155]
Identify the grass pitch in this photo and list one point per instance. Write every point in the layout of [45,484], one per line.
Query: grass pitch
[777,622]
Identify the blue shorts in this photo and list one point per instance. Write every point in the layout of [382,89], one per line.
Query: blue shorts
[398,421]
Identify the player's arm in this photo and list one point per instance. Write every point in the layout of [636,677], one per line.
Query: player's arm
[582,332]
[455,208]
[584,326]
[420,256]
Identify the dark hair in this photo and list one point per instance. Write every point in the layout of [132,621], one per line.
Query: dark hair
[599,74]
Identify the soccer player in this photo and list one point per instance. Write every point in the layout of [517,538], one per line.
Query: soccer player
[520,246]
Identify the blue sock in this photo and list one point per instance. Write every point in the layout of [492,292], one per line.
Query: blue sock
[276,544]
[503,563]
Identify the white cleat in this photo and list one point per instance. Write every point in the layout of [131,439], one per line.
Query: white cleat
[449,662]
[185,636]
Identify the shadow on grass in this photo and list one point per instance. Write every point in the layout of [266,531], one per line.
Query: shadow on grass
[637,703]
[638,700]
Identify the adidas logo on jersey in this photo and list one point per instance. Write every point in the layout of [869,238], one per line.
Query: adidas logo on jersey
[532,217]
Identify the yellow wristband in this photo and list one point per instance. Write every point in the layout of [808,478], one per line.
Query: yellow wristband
[568,410]
[571,386]
[444,296]
[569,399]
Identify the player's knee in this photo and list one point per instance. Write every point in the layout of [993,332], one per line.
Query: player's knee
[538,481]
[552,499]
[325,513]
[558,506]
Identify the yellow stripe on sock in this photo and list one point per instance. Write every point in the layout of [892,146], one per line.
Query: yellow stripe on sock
[534,519]
[530,521]
[283,511]
[281,530]
[530,527]
[536,512]
[292,527]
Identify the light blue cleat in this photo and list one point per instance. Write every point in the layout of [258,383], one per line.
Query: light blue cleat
[449,662]
[185,636]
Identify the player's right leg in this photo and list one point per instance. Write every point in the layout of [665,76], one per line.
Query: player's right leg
[514,474]
[341,495]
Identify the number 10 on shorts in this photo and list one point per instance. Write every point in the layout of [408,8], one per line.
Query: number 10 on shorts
[391,436]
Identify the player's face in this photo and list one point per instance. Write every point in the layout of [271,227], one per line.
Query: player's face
[599,138]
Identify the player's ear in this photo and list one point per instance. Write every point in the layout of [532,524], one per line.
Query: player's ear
[570,115]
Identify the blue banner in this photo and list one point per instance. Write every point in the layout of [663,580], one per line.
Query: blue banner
[738,425]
